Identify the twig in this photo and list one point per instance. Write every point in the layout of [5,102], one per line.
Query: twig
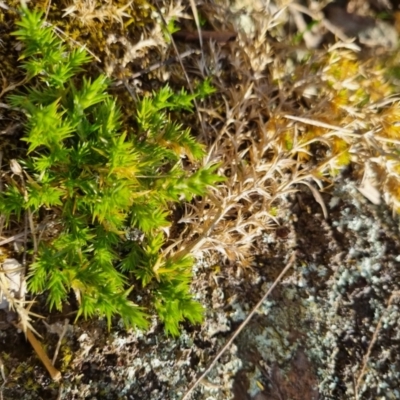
[373,340]
[8,107]
[17,170]
[3,375]
[47,9]
[61,32]
[33,232]
[206,232]
[54,373]
[200,37]
[12,238]
[15,238]
[5,381]
[60,392]
[216,36]
[6,89]
[243,324]
[321,125]
[164,63]
[62,334]
[355,388]
[317,197]
[26,231]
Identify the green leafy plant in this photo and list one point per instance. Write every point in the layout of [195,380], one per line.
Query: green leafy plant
[111,189]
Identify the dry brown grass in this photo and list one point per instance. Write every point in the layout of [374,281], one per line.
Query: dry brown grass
[286,116]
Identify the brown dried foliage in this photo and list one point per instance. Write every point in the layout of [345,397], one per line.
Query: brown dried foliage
[283,117]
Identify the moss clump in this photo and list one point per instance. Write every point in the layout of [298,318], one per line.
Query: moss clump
[101,184]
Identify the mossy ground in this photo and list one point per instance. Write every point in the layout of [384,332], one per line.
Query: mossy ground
[312,336]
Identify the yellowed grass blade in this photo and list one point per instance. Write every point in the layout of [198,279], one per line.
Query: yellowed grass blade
[197,21]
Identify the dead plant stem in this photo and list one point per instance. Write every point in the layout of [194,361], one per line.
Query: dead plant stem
[373,340]
[37,346]
[190,248]
[4,383]
[60,392]
[47,9]
[164,63]
[242,325]
[60,32]
[62,334]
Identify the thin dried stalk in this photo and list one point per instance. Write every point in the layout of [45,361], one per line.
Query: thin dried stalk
[54,373]
[373,340]
[242,325]
[64,331]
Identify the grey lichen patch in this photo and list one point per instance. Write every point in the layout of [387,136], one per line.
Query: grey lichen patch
[220,323]
[344,313]
[331,307]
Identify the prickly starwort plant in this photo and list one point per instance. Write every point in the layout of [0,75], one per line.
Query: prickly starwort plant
[109,190]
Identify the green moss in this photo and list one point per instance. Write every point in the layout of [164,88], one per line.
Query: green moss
[100,182]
